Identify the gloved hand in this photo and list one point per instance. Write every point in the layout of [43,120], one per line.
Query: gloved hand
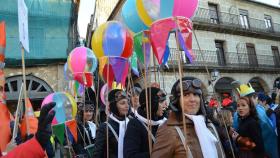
[44,124]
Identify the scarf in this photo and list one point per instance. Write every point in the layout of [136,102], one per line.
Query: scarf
[92,127]
[153,123]
[206,139]
[122,129]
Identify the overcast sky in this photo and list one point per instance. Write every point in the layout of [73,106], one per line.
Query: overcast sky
[271,2]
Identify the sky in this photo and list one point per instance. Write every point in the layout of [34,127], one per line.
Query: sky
[85,10]
[271,2]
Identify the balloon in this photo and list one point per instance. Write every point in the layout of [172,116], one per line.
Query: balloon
[131,17]
[67,73]
[138,15]
[96,42]
[112,39]
[82,63]
[104,93]
[66,107]
[108,74]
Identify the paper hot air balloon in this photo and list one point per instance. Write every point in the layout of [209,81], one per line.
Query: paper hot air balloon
[66,107]
[112,39]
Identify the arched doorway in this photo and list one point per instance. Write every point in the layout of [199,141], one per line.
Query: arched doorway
[259,85]
[224,86]
[37,90]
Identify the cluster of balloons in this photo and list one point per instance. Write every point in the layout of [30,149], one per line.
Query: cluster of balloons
[112,44]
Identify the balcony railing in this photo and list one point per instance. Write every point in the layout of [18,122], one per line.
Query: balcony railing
[230,59]
[233,21]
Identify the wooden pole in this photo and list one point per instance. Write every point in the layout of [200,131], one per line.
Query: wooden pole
[146,94]
[180,83]
[24,90]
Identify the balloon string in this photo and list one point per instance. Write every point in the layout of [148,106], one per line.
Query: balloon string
[97,100]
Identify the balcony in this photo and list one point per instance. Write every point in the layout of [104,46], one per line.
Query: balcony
[231,60]
[225,22]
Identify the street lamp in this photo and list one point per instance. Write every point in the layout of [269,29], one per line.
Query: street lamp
[215,75]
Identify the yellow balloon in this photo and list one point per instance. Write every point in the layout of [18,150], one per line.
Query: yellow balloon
[144,16]
[97,40]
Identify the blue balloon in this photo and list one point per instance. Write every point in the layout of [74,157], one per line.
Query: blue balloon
[67,73]
[131,17]
[165,6]
[59,107]
[113,40]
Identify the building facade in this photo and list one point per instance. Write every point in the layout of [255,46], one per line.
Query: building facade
[52,35]
[238,38]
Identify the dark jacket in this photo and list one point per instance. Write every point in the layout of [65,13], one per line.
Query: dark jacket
[84,139]
[100,147]
[249,127]
[136,143]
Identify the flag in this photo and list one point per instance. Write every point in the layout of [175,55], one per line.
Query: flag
[32,120]
[5,131]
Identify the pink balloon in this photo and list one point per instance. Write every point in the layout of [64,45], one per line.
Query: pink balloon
[103,92]
[78,59]
[48,99]
[184,8]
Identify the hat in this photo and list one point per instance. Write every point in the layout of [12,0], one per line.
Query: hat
[245,90]
[155,95]
[189,84]
[87,105]
[114,96]
[136,91]
[262,96]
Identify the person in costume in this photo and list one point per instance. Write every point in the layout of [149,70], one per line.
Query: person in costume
[116,125]
[201,139]
[136,143]
[35,147]
[86,128]
[134,100]
[248,137]
[268,134]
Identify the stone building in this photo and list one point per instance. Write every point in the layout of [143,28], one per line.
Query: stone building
[240,39]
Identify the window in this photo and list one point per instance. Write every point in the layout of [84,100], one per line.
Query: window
[276,57]
[268,22]
[213,13]
[244,20]
[252,57]
[220,52]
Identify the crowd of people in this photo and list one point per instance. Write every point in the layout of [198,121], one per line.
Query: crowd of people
[143,123]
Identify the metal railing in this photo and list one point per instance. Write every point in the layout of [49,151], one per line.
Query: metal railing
[233,21]
[229,59]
